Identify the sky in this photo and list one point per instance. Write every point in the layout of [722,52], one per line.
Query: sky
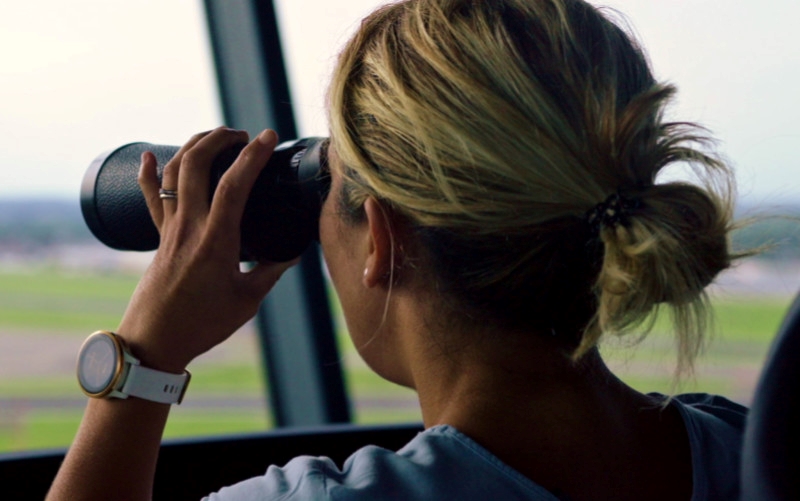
[80,77]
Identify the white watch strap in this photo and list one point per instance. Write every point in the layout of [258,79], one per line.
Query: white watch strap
[154,385]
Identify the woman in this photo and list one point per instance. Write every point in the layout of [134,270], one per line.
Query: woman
[493,213]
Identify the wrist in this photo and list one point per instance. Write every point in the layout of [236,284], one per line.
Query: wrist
[149,345]
[155,357]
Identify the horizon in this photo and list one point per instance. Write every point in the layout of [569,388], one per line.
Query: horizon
[744,209]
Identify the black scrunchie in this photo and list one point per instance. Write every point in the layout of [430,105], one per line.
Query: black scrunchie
[613,211]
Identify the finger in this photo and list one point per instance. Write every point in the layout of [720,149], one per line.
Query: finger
[169,176]
[148,182]
[234,188]
[193,178]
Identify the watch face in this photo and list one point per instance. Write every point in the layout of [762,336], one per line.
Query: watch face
[97,363]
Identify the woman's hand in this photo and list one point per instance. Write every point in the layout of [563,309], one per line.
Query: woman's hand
[192,298]
[194,295]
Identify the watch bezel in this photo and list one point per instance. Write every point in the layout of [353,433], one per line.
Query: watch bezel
[119,370]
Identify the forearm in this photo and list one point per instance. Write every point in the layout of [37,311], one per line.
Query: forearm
[114,453]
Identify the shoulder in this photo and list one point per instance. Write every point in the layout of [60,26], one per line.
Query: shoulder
[431,466]
[714,408]
[715,426]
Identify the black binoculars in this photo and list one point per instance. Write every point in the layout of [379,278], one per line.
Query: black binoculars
[281,217]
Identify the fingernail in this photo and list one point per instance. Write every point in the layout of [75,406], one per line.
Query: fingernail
[268,136]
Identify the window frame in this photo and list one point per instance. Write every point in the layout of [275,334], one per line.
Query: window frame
[295,327]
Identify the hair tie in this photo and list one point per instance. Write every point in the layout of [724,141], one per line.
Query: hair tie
[613,211]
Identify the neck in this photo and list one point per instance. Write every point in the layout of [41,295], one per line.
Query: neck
[510,376]
[521,396]
[485,380]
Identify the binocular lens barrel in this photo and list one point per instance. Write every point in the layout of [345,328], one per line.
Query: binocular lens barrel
[281,216]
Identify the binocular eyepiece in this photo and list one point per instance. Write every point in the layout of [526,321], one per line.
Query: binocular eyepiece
[281,216]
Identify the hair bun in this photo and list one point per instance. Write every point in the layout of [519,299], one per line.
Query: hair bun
[698,226]
[674,243]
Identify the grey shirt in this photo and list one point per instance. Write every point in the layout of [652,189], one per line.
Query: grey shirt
[442,463]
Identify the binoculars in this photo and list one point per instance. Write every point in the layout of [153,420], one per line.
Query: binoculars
[280,220]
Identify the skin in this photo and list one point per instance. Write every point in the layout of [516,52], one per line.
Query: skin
[574,428]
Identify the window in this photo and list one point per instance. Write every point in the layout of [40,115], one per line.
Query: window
[78,78]
[310,59]
[731,62]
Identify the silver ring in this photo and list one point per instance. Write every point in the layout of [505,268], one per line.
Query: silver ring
[165,194]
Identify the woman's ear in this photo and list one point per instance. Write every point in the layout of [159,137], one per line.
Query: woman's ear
[380,255]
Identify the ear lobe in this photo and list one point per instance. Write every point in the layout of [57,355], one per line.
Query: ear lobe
[380,257]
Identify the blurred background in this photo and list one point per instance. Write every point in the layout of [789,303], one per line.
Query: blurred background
[78,78]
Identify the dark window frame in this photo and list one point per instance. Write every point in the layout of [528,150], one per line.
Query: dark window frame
[304,370]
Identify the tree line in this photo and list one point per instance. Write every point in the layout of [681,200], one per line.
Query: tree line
[38,223]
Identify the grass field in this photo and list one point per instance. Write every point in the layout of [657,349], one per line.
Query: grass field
[44,315]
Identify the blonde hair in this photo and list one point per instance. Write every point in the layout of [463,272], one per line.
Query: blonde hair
[495,127]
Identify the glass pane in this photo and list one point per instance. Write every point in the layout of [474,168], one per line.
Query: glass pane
[312,33]
[737,89]
[78,78]
[740,89]
[311,38]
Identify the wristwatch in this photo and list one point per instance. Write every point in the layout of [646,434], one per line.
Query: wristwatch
[106,369]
